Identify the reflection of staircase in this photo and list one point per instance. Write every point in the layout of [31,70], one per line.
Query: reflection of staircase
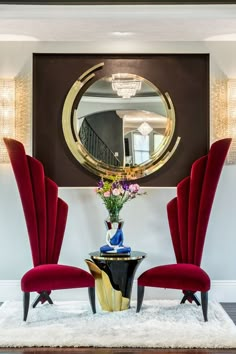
[96,146]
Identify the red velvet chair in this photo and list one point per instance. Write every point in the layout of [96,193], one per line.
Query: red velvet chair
[188,216]
[45,215]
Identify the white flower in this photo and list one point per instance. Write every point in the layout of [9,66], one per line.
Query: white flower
[116,192]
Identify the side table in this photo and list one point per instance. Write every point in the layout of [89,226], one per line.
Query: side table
[114,275]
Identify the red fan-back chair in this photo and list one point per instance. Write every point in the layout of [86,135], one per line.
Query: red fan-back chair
[188,216]
[45,215]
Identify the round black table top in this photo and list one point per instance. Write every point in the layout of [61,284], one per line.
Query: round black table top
[134,255]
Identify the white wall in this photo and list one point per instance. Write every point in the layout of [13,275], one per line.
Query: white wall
[146,226]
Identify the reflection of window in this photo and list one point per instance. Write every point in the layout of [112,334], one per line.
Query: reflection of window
[157,140]
[141,148]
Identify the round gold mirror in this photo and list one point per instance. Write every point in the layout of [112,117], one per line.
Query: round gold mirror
[122,125]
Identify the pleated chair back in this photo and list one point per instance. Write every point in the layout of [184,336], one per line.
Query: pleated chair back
[189,212]
[45,213]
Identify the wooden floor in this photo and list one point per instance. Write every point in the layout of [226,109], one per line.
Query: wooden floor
[114,351]
[230,308]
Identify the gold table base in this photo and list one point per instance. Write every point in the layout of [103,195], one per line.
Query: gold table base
[109,298]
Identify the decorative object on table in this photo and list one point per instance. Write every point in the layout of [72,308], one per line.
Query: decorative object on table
[45,215]
[188,216]
[114,240]
[115,193]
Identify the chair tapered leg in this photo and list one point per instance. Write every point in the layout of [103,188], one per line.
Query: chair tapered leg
[140,295]
[43,296]
[196,300]
[46,296]
[184,299]
[91,293]
[36,301]
[204,298]
[190,296]
[26,301]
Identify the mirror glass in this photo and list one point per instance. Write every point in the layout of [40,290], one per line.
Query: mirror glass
[123,121]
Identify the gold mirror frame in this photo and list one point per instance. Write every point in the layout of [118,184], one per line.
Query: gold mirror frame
[98,167]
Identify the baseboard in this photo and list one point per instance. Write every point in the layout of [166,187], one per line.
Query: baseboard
[221,290]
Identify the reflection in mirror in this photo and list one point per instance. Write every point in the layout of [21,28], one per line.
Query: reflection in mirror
[123,121]
[123,125]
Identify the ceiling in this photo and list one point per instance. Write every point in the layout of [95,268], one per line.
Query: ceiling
[132,22]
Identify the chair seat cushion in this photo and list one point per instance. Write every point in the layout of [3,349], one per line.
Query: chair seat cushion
[176,276]
[55,277]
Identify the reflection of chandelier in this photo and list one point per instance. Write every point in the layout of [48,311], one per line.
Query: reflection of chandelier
[145,128]
[124,85]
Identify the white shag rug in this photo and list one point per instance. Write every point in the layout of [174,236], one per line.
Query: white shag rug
[160,324]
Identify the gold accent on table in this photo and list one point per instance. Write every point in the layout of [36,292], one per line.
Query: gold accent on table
[121,258]
[109,298]
[100,168]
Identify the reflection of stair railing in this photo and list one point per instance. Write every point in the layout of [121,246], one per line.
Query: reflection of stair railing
[96,145]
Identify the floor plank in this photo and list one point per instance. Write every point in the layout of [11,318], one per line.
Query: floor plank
[114,351]
[230,308]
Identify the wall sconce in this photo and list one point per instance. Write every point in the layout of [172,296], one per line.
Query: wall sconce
[231,110]
[224,114]
[7,114]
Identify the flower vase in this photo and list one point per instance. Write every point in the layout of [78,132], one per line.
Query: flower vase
[114,221]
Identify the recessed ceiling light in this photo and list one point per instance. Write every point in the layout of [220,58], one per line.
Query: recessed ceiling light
[122,34]
[17,38]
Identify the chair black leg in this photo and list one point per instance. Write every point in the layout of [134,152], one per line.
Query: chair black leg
[42,296]
[46,296]
[196,300]
[91,293]
[26,301]
[189,295]
[140,294]
[36,301]
[204,298]
[184,299]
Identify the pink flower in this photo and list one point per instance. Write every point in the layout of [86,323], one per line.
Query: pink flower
[134,188]
[107,194]
[116,192]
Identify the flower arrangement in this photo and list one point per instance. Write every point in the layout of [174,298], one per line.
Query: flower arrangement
[115,193]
